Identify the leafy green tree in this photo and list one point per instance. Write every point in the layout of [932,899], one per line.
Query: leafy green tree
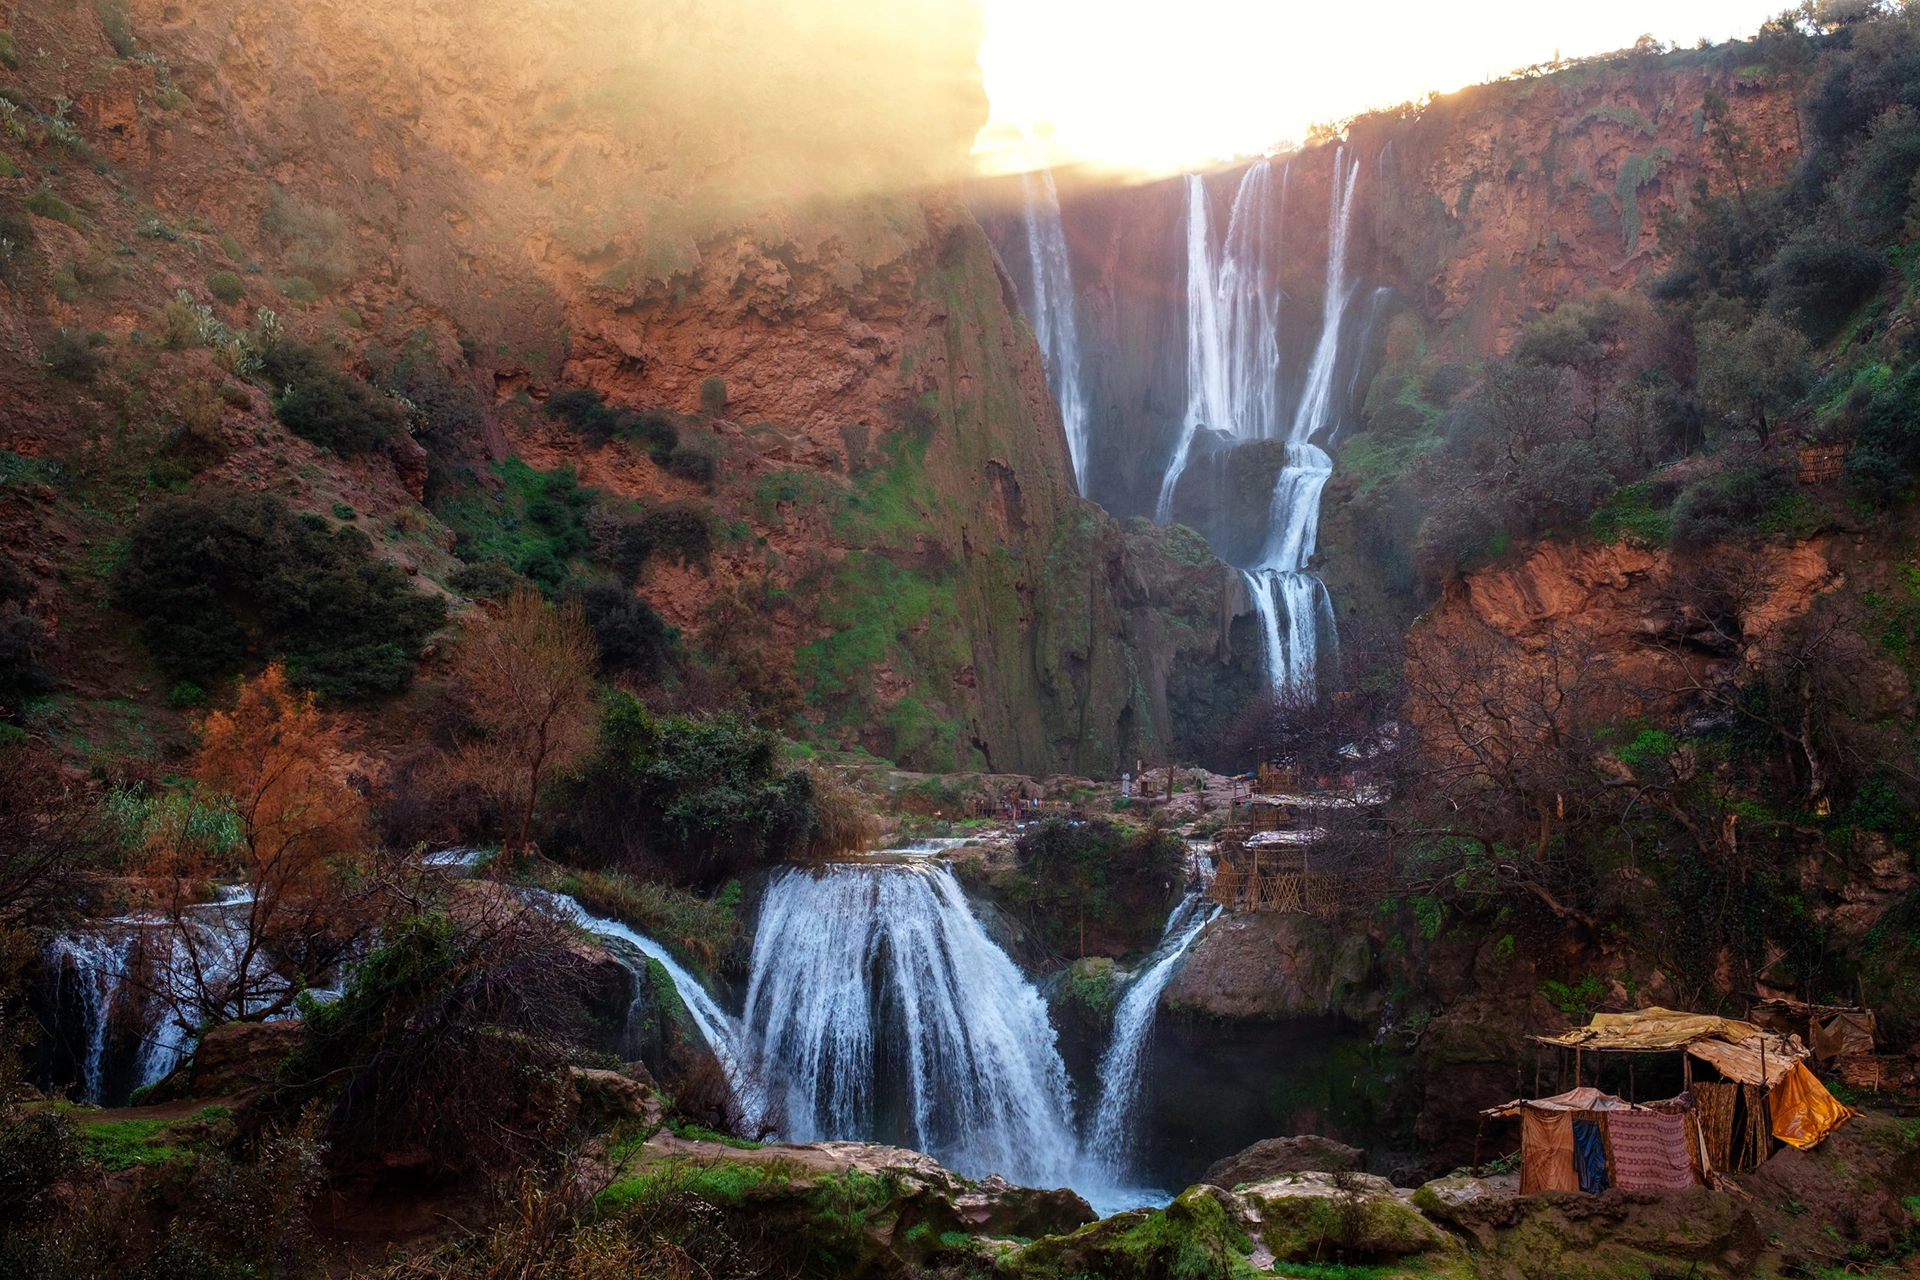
[1753,376]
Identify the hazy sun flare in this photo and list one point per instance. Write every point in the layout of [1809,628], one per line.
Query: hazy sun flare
[1158,85]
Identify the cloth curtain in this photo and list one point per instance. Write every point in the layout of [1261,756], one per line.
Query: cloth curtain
[1650,1151]
[1546,1152]
[1714,1101]
[1590,1155]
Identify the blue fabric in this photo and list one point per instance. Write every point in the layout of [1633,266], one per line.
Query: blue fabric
[1589,1156]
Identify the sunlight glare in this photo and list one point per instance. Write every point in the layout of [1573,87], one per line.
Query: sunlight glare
[1154,86]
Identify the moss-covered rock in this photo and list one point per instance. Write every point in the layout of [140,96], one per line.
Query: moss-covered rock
[1194,1238]
[1341,1217]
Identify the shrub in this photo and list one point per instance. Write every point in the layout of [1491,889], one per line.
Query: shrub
[217,577]
[451,1040]
[1732,504]
[696,462]
[451,414]
[583,409]
[680,530]
[313,241]
[633,640]
[9,51]
[72,354]
[488,580]
[1819,283]
[319,403]
[226,286]
[713,396]
[695,801]
[117,23]
[232,248]
[44,204]
[299,289]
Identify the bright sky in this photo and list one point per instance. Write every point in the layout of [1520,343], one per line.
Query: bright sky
[1159,85]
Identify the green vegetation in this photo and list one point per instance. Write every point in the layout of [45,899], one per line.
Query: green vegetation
[45,204]
[1095,887]
[535,523]
[699,930]
[221,579]
[319,403]
[226,286]
[690,801]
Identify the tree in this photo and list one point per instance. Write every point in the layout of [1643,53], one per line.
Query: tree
[284,768]
[50,828]
[526,676]
[1751,376]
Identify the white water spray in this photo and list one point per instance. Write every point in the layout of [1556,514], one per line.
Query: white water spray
[861,971]
[1110,1140]
[1054,326]
[1292,603]
[1233,321]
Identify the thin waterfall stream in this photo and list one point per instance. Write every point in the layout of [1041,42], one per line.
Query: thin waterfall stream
[1052,312]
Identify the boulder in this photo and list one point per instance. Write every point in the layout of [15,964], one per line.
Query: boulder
[1196,1235]
[1306,1153]
[231,1059]
[1347,1218]
[998,1208]
[608,1098]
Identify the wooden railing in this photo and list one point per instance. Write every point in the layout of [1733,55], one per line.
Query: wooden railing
[1287,886]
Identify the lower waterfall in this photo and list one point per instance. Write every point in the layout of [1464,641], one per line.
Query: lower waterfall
[877,1009]
[864,973]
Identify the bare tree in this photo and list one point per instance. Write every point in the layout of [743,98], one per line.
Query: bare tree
[526,676]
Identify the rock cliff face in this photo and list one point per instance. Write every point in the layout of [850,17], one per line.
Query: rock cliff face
[573,193]
[1490,206]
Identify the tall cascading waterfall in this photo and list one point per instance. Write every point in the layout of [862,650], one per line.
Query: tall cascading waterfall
[1233,321]
[865,972]
[1109,1145]
[1293,603]
[1054,326]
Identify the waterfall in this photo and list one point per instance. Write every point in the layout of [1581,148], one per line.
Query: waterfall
[864,972]
[1281,582]
[717,1027]
[1233,321]
[118,981]
[1110,1141]
[1052,312]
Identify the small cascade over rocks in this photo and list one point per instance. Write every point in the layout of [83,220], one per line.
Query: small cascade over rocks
[1110,1139]
[1051,309]
[125,989]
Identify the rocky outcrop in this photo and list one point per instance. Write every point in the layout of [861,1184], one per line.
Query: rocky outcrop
[1270,1157]
[1277,965]
[236,1058]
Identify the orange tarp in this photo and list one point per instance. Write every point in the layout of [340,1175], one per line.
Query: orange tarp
[1804,1113]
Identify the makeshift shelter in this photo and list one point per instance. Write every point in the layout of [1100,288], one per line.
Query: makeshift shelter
[1757,1087]
[1831,1031]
